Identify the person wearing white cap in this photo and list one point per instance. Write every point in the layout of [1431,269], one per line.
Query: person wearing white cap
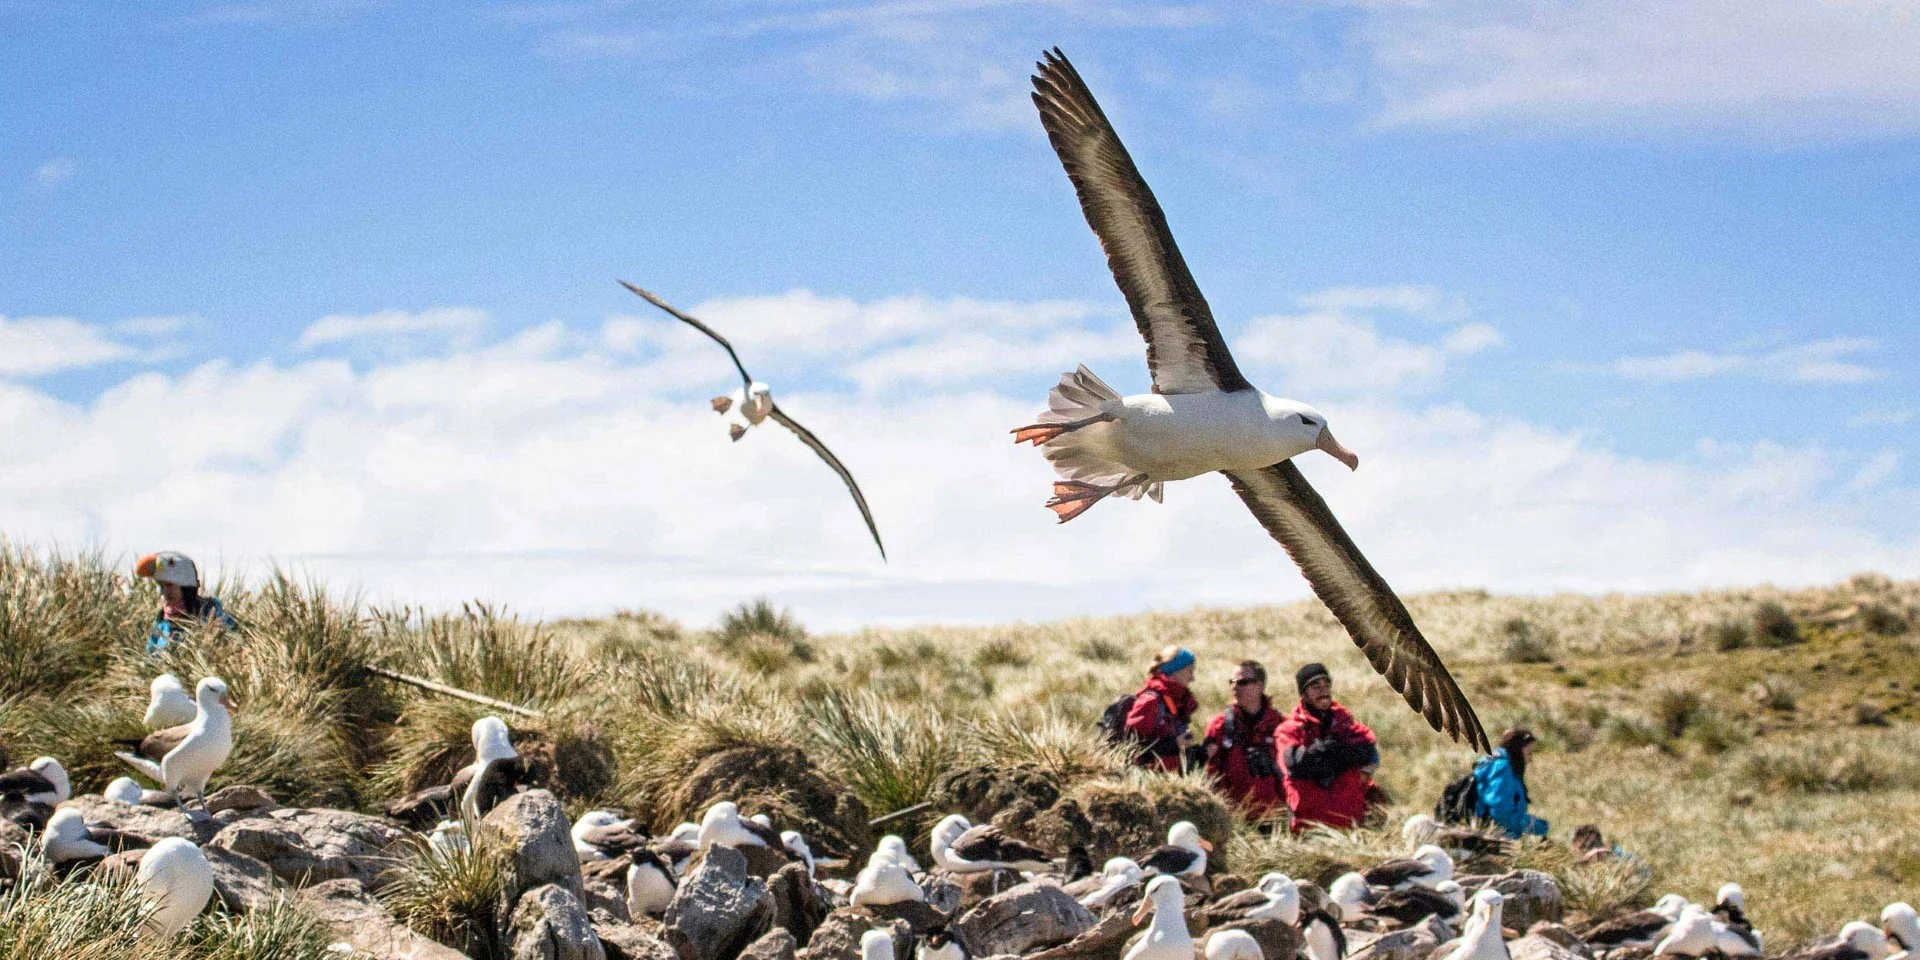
[181,604]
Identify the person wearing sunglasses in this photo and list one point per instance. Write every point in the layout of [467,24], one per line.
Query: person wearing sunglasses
[1239,744]
[1328,756]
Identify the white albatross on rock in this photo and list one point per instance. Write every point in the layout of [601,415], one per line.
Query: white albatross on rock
[883,882]
[1167,938]
[1204,416]
[184,771]
[168,704]
[176,876]
[1481,939]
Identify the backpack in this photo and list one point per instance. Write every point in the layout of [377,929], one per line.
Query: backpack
[1113,721]
[1458,801]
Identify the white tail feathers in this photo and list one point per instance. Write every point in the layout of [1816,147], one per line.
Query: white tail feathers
[143,766]
[1087,454]
[1079,395]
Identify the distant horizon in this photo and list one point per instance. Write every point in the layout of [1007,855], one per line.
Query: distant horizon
[1604,299]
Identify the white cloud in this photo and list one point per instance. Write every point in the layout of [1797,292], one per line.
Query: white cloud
[34,346]
[55,172]
[1819,361]
[558,475]
[1769,69]
[1881,418]
[1337,349]
[394,332]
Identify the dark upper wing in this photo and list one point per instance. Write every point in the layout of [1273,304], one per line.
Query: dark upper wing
[617,838]
[1414,904]
[1235,906]
[1168,859]
[986,844]
[806,436]
[1184,349]
[1639,925]
[1284,503]
[24,782]
[697,325]
[1395,872]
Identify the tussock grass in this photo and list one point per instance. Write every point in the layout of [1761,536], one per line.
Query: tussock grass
[1065,750]
[456,897]
[890,755]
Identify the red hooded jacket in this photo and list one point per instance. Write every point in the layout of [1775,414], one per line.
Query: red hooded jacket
[1340,800]
[1161,711]
[1256,796]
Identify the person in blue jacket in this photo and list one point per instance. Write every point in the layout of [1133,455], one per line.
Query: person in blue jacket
[1500,783]
[182,606]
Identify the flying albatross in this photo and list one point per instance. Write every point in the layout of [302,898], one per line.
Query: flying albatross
[756,404]
[1203,415]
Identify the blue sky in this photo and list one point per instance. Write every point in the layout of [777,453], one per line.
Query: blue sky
[1671,237]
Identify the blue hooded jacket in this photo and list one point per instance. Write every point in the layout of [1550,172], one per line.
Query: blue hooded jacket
[1501,796]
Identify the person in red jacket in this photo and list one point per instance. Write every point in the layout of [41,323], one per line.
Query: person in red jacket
[1161,717]
[1240,751]
[1329,757]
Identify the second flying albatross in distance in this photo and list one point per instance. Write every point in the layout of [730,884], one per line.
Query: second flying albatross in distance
[756,404]
[1204,416]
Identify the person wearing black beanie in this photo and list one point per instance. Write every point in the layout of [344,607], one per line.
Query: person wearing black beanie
[1327,757]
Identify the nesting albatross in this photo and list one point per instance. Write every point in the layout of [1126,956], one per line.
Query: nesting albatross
[1203,415]
[755,404]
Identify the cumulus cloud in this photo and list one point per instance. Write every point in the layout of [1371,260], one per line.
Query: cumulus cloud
[394,332]
[1833,360]
[556,473]
[35,346]
[1771,69]
[1336,347]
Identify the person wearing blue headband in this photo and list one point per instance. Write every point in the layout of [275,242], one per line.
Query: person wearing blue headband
[1161,717]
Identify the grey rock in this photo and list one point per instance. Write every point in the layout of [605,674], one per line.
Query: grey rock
[150,824]
[239,798]
[1532,897]
[243,883]
[308,846]
[1562,936]
[799,905]
[838,937]
[605,882]
[1102,942]
[625,941]
[956,893]
[549,923]
[1535,947]
[363,924]
[537,831]
[1417,942]
[1029,917]
[778,944]
[719,908]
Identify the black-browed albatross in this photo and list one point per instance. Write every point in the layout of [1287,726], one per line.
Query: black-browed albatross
[756,404]
[1203,415]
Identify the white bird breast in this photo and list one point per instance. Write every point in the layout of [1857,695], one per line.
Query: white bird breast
[1176,436]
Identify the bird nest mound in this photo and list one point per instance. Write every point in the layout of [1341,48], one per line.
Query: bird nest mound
[1114,817]
[784,782]
[1009,797]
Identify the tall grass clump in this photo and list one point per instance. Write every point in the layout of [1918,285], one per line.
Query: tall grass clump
[1773,626]
[1676,706]
[1064,749]
[485,651]
[889,754]
[455,896]
[61,617]
[1523,642]
[757,617]
[281,930]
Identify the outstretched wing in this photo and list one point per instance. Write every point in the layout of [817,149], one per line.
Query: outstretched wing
[650,297]
[1184,349]
[806,436]
[1284,503]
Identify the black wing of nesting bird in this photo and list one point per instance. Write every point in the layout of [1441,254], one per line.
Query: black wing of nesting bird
[615,839]
[1414,904]
[1392,873]
[1169,859]
[1187,355]
[988,844]
[1640,926]
[18,785]
[779,416]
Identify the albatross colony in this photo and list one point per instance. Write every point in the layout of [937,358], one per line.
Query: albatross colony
[1203,415]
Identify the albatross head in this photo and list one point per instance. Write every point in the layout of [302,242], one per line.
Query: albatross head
[1163,894]
[211,691]
[1187,837]
[1307,429]
[491,740]
[56,774]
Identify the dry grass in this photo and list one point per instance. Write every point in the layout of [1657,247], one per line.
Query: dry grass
[1665,719]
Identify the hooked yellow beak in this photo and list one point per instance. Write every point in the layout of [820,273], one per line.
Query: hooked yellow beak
[1204,845]
[147,566]
[227,701]
[1143,911]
